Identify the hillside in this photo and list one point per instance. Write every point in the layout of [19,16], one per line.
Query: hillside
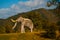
[43,20]
[40,17]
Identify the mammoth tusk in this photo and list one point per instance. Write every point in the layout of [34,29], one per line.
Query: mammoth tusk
[14,25]
[13,20]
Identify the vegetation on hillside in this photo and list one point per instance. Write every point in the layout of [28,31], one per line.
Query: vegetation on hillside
[43,19]
[20,36]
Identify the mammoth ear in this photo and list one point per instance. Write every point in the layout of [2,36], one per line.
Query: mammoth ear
[13,20]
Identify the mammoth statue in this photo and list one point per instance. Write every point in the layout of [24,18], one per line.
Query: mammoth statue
[25,22]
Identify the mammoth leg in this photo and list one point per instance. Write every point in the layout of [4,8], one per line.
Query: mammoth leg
[31,28]
[22,28]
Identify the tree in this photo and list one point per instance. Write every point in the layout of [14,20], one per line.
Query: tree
[53,2]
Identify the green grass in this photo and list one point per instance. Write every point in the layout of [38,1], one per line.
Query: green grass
[21,36]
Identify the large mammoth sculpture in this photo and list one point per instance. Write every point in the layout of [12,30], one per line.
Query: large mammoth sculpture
[25,22]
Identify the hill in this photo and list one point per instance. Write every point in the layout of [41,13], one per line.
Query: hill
[41,18]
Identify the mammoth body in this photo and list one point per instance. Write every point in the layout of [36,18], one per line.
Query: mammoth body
[25,22]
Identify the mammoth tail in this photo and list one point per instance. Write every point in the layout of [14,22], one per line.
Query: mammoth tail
[14,25]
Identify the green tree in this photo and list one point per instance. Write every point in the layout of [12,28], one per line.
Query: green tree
[53,2]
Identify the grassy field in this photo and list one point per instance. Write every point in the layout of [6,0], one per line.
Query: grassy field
[22,36]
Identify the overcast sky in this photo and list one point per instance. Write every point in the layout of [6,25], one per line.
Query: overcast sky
[13,7]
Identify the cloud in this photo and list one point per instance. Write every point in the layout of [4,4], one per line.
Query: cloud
[4,10]
[14,6]
[18,8]
[22,7]
[13,10]
[32,3]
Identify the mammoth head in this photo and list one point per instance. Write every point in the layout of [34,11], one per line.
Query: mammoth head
[13,20]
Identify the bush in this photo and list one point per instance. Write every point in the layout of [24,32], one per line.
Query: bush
[50,32]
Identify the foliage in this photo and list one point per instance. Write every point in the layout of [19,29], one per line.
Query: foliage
[53,2]
[41,18]
[19,36]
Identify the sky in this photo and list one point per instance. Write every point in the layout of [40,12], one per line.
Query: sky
[12,7]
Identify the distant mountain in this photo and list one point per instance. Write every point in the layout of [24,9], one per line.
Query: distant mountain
[40,17]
